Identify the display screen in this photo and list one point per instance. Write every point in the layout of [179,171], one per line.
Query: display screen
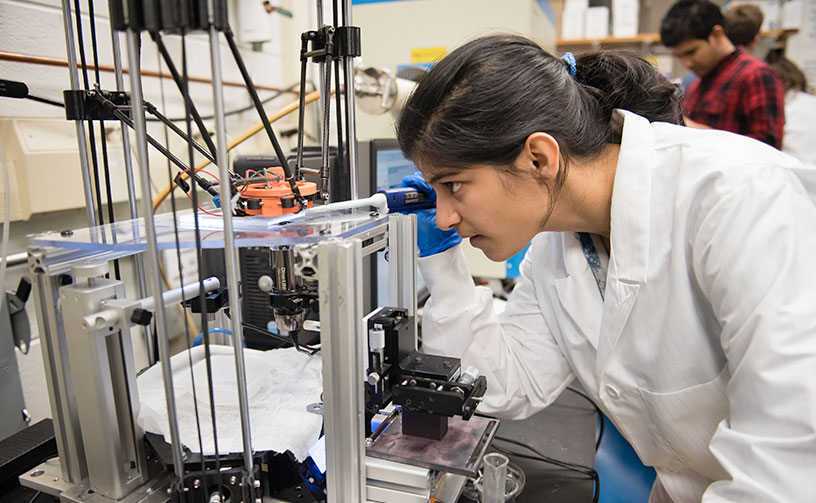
[390,168]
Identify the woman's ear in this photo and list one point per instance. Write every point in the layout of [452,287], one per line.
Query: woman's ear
[540,155]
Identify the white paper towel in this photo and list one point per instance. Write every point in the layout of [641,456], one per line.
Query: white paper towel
[281,383]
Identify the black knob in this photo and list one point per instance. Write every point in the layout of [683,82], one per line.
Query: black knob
[141,316]
[23,289]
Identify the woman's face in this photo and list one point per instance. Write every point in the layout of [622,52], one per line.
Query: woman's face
[499,212]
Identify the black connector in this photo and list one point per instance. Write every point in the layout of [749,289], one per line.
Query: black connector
[95,105]
[347,41]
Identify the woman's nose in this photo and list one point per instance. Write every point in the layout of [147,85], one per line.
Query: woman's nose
[446,216]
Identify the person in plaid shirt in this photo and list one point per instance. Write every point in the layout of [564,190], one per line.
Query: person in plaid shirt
[734,91]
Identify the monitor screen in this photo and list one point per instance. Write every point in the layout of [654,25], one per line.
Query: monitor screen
[392,167]
[388,168]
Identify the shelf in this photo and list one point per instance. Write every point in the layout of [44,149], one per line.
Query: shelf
[640,38]
[653,38]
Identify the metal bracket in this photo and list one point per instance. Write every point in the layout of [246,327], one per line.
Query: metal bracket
[85,105]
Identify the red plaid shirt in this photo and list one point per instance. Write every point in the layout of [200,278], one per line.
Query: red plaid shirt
[741,94]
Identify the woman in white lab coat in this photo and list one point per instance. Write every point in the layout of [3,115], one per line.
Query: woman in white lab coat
[671,269]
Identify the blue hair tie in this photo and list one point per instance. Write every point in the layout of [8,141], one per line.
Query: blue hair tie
[569,59]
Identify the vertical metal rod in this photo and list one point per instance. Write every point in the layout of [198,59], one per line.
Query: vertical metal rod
[321,65]
[131,185]
[402,244]
[342,335]
[351,116]
[120,86]
[80,125]
[231,256]
[154,278]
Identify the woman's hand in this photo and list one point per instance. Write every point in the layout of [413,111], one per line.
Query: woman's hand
[430,238]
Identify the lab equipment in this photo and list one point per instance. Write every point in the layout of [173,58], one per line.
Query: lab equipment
[301,271]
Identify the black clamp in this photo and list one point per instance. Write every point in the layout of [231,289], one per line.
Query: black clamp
[329,43]
[214,301]
[95,105]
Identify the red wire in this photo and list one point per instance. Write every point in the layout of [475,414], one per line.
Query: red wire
[205,172]
[200,208]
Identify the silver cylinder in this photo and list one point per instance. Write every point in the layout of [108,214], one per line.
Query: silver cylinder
[284,279]
[351,114]
[230,251]
[80,125]
[152,252]
[131,186]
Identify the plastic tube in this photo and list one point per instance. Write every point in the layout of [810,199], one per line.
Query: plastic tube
[494,466]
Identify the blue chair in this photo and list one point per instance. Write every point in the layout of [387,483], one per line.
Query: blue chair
[624,479]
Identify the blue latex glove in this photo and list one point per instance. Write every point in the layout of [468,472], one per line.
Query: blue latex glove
[430,238]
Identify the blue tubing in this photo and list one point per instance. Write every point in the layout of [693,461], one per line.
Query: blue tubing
[210,331]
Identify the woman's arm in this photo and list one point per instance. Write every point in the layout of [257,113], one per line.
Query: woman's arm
[524,367]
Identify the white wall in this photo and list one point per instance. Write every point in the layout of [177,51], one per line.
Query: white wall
[391,29]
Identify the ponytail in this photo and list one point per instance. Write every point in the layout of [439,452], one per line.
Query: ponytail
[623,79]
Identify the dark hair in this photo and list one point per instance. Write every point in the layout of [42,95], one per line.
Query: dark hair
[791,75]
[742,23]
[689,20]
[480,103]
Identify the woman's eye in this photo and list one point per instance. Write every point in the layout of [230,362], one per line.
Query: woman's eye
[454,186]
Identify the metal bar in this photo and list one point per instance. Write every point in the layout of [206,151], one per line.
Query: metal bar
[230,251]
[402,245]
[340,282]
[322,65]
[80,125]
[45,61]
[131,186]
[167,122]
[15,259]
[152,252]
[185,292]
[351,114]
[57,372]
[190,105]
[253,93]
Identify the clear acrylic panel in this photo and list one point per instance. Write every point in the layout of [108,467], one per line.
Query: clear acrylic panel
[128,237]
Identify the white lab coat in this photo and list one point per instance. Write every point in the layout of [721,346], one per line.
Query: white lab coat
[703,353]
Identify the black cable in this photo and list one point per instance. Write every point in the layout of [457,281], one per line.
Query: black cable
[46,101]
[189,106]
[292,340]
[91,135]
[590,472]
[304,48]
[169,124]
[181,281]
[338,99]
[177,119]
[104,137]
[253,93]
[200,261]
[598,410]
